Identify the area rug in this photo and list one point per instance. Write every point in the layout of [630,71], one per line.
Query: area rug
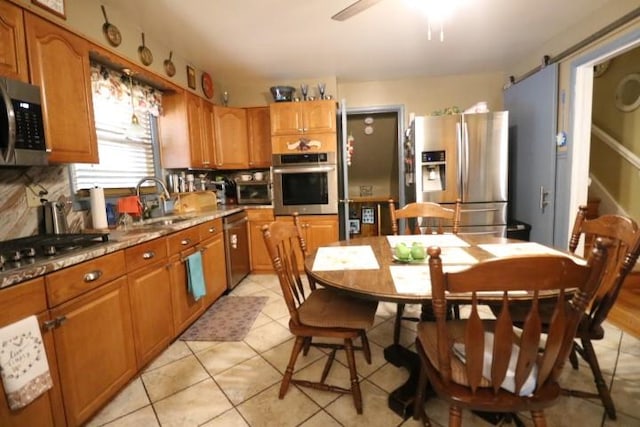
[228,319]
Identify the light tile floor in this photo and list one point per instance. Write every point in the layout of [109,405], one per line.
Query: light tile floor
[232,384]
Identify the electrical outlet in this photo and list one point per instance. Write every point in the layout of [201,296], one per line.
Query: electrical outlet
[33,195]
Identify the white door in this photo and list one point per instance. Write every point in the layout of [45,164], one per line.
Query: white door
[532,151]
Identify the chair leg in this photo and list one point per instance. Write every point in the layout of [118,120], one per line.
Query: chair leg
[307,346]
[455,416]
[601,385]
[366,349]
[397,324]
[538,419]
[418,405]
[573,357]
[286,380]
[355,385]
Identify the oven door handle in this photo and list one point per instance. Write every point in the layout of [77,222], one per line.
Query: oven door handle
[7,156]
[304,169]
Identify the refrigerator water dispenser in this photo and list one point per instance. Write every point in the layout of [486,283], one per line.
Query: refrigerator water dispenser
[433,171]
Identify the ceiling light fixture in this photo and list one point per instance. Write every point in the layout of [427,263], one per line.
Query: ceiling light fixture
[436,11]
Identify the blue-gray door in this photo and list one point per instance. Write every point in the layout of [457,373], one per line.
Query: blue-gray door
[532,106]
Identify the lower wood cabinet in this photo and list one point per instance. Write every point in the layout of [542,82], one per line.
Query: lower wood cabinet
[258,218]
[94,347]
[16,303]
[213,260]
[317,230]
[150,293]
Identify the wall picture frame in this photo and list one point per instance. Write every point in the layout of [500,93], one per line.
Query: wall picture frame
[56,7]
[191,77]
[368,215]
[354,226]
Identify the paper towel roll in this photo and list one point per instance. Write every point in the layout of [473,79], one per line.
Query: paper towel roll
[98,208]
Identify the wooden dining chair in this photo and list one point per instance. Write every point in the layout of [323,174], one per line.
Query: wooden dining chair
[317,313]
[422,218]
[480,363]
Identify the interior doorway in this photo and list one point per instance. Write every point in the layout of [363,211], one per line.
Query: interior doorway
[372,170]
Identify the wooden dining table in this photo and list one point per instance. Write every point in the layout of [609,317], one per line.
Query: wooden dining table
[380,282]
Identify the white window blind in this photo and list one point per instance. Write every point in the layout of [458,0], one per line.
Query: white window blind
[125,149]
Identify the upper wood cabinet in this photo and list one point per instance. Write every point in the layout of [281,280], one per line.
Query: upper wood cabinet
[59,64]
[186,131]
[259,134]
[297,118]
[232,150]
[13,50]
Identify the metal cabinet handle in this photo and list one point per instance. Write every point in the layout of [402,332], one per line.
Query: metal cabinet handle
[52,324]
[185,242]
[212,230]
[148,255]
[93,276]
[543,198]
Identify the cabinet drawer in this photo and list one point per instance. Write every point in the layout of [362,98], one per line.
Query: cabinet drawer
[183,240]
[260,214]
[146,253]
[210,228]
[19,301]
[73,281]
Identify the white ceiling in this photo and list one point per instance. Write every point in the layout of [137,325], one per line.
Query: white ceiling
[293,39]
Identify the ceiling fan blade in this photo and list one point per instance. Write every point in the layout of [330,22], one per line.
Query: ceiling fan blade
[353,9]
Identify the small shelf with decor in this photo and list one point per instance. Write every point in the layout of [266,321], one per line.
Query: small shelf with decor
[369,216]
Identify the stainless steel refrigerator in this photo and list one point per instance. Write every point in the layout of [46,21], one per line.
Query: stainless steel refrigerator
[461,156]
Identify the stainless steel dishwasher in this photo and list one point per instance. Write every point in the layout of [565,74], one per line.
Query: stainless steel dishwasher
[236,247]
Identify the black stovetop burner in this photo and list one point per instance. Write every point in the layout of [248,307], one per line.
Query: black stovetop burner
[27,250]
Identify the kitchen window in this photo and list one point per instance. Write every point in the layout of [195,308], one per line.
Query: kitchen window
[125,113]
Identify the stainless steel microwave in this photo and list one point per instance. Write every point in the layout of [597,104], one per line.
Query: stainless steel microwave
[253,192]
[22,140]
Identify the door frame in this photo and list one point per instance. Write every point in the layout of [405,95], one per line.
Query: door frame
[579,139]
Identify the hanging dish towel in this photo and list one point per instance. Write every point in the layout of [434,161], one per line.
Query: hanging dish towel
[23,362]
[195,276]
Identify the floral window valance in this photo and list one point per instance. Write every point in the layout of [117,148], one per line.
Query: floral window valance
[110,83]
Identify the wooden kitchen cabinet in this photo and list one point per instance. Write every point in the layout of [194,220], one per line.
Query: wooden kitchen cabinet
[59,64]
[258,218]
[150,295]
[317,230]
[232,151]
[95,349]
[187,131]
[297,118]
[259,135]
[16,303]
[213,260]
[13,48]
[184,307]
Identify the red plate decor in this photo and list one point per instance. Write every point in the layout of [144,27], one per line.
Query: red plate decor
[207,85]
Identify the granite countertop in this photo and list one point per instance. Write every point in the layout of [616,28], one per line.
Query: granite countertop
[120,239]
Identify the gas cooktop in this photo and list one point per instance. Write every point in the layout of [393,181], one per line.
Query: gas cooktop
[24,251]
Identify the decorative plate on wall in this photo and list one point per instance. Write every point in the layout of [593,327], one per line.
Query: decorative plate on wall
[207,85]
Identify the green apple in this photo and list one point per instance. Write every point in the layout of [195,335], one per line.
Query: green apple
[417,251]
[402,251]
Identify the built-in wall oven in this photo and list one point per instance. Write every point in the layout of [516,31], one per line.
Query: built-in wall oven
[306,183]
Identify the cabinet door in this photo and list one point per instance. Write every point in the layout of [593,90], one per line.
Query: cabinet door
[59,64]
[175,148]
[185,308]
[319,230]
[214,269]
[231,138]
[150,294]
[194,116]
[319,142]
[13,50]
[286,118]
[259,134]
[258,218]
[16,303]
[94,346]
[319,116]
[208,135]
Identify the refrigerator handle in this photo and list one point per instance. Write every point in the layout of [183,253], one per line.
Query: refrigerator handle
[465,144]
[459,147]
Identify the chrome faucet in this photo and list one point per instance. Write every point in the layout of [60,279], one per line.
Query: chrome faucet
[165,192]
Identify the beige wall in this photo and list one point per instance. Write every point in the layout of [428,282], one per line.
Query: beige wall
[423,95]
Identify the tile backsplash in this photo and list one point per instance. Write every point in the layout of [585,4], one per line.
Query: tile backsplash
[19,220]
